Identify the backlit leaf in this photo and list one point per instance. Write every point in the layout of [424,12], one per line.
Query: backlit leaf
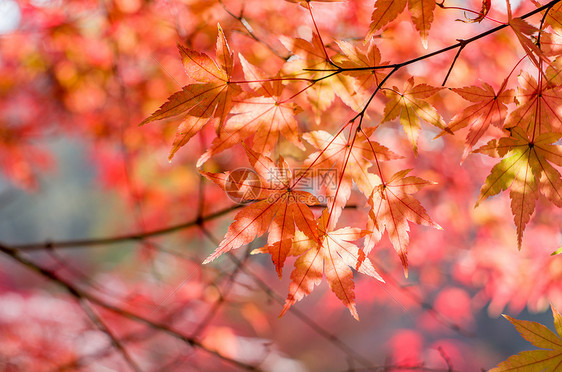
[392,206]
[410,105]
[549,360]
[489,108]
[274,207]
[333,255]
[198,103]
[526,171]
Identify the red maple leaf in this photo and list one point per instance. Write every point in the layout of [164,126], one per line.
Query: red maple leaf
[350,158]
[264,116]
[331,253]
[199,103]
[274,206]
[489,108]
[392,206]
[421,12]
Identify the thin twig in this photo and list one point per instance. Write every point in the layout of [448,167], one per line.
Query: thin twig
[442,50]
[137,237]
[222,298]
[96,319]
[453,63]
[80,294]
[244,22]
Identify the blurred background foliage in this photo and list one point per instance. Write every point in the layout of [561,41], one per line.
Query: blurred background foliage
[76,78]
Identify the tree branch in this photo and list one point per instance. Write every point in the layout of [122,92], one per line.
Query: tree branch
[83,295]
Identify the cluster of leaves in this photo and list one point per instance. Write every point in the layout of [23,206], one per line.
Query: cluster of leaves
[256,112]
[318,125]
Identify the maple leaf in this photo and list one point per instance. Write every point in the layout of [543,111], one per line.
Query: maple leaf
[201,102]
[385,12]
[548,359]
[349,158]
[484,10]
[332,253]
[523,31]
[265,117]
[526,170]
[421,12]
[551,43]
[353,57]
[275,206]
[327,84]
[489,108]
[554,73]
[554,17]
[538,105]
[392,206]
[411,106]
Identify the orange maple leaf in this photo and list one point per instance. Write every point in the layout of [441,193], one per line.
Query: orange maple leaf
[526,171]
[200,103]
[312,62]
[410,105]
[392,206]
[538,105]
[421,12]
[264,117]
[353,57]
[349,158]
[274,206]
[489,108]
[551,43]
[554,17]
[385,12]
[332,253]
[524,31]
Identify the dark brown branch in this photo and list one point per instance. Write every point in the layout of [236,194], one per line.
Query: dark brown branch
[136,236]
[460,44]
[122,238]
[453,63]
[83,295]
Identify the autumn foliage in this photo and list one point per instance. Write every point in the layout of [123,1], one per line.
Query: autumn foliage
[416,142]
